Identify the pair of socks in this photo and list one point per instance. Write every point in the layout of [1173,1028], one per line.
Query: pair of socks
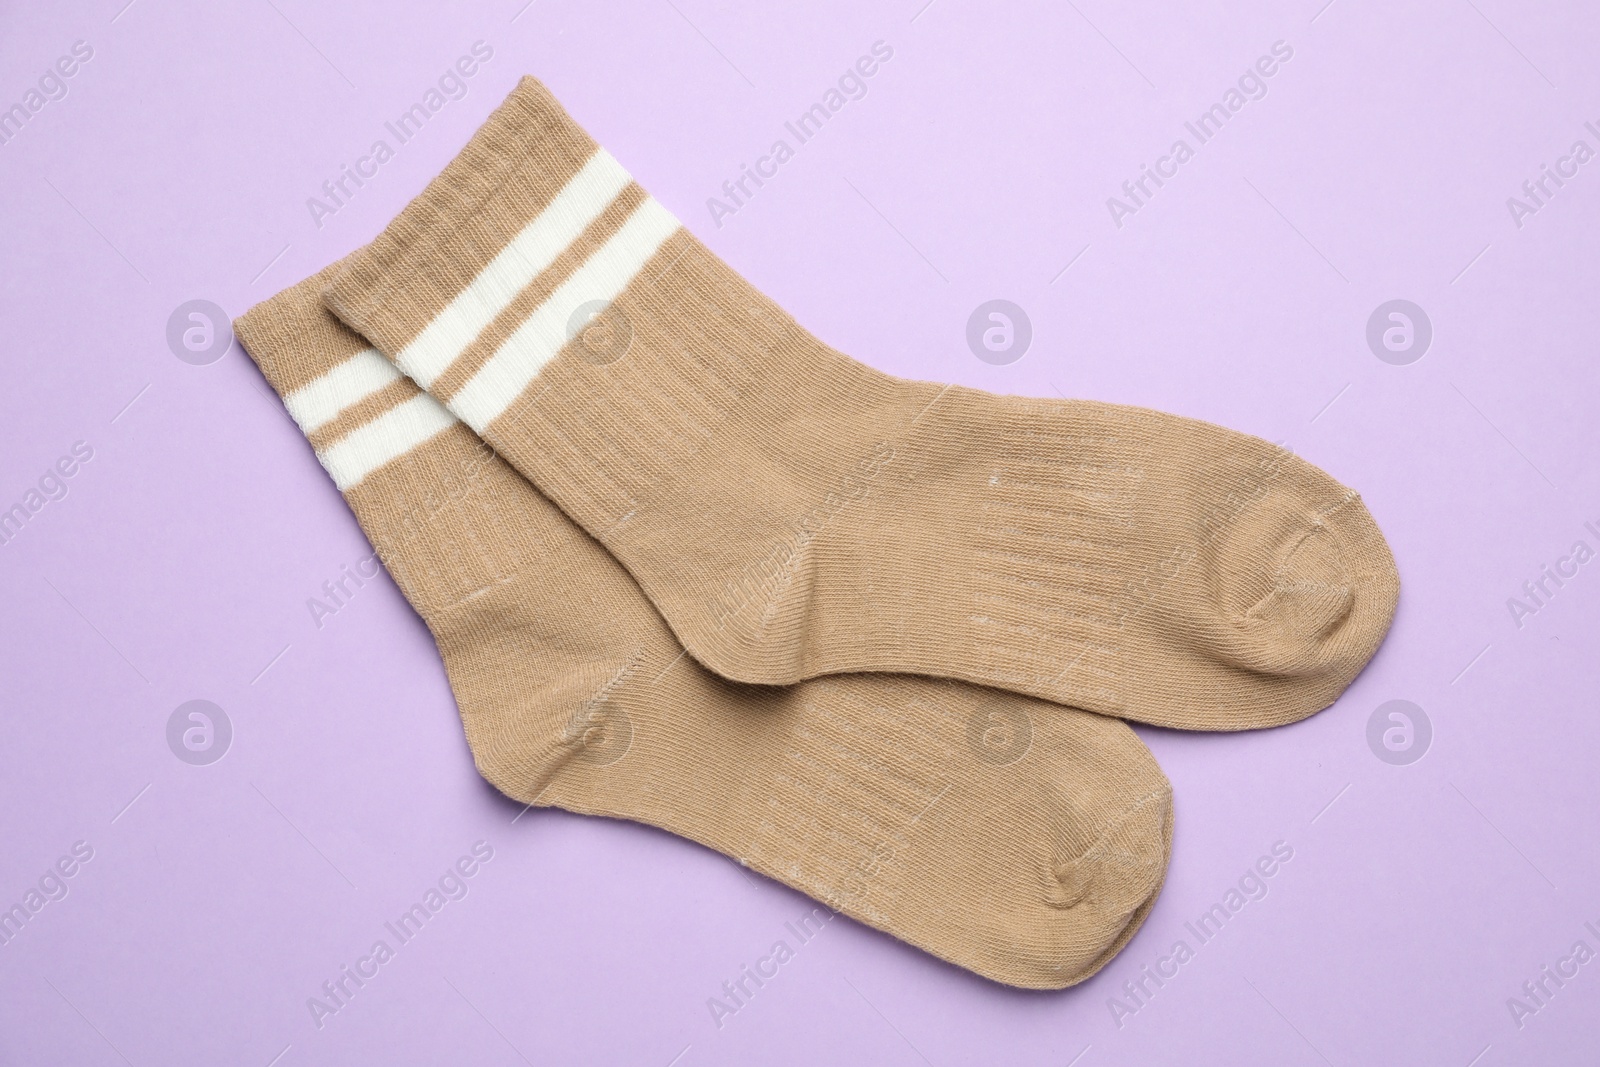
[729,582]
[1019,839]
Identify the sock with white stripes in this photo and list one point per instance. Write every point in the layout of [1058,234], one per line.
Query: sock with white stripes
[794,513]
[1020,840]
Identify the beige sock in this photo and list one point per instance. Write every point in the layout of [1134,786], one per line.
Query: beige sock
[793,513]
[1023,841]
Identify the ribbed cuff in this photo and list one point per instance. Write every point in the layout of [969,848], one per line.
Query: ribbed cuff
[512,167]
[293,339]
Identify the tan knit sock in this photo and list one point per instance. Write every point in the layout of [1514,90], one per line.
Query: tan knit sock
[1023,841]
[793,513]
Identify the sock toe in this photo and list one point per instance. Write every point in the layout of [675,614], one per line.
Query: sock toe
[1304,590]
[1284,586]
[1374,581]
[1123,866]
[1102,895]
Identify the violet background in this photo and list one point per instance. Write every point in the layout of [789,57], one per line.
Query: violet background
[1419,898]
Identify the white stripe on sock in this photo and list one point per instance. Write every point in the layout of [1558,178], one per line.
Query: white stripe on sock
[603,277]
[320,402]
[579,203]
[387,437]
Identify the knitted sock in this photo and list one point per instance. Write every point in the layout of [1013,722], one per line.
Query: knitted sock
[1017,839]
[793,513]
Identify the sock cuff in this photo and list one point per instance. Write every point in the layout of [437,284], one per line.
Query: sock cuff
[535,240]
[356,409]
[292,339]
[516,164]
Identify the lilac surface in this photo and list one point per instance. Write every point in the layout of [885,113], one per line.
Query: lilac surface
[179,566]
